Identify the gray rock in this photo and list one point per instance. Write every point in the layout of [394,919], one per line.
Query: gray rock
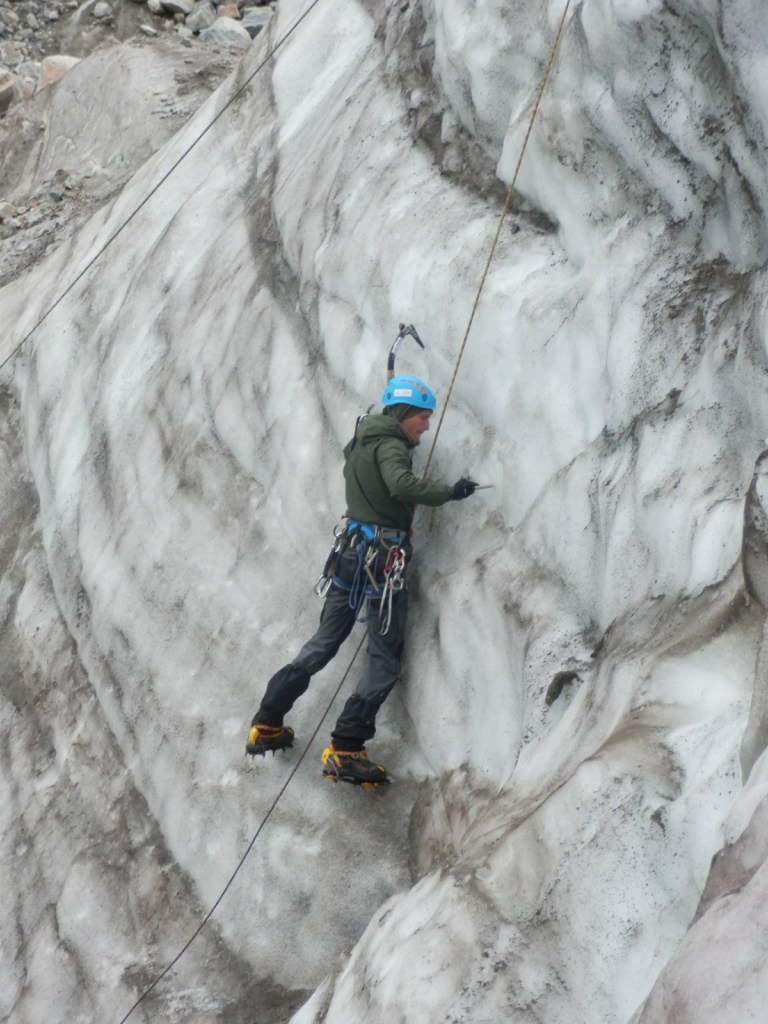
[102,10]
[177,6]
[29,69]
[226,32]
[255,18]
[33,217]
[147,30]
[7,210]
[11,54]
[62,177]
[155,7]
[203,16]
[7,89]
[27,75]
[53,68]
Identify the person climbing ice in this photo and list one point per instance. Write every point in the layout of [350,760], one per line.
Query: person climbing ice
[366,566]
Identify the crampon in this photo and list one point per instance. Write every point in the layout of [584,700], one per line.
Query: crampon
[353,766]
[268,737]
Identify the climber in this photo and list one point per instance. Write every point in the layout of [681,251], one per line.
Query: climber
[365,567]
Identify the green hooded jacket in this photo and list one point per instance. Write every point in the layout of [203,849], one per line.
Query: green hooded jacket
[381,485]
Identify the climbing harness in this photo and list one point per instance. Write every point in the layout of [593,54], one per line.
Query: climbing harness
[372,545]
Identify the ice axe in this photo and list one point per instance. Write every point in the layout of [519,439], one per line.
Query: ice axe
[403,334]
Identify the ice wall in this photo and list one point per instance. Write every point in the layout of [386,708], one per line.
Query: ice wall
[581,661]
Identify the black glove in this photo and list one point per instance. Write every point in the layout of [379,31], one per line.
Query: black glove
[463,489]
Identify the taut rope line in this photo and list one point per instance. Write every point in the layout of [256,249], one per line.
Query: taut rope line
[198,138]
[504,212]
[97,256]
[312,738]
[166,970]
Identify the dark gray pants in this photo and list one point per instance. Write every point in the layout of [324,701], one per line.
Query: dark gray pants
[357,722]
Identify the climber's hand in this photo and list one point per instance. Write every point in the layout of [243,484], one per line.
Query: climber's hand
[463,488]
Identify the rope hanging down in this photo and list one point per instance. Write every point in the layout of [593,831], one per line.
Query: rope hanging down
[504,212]
[305,751]
[257,833]
[78,277]
[319,725]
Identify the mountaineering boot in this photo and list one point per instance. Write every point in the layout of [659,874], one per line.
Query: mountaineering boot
[353,766]
[268,737]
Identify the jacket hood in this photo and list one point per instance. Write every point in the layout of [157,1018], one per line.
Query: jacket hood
[377,426]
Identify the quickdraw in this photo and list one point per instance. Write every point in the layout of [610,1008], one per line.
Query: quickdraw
[364,581]
[394,582]
[340,543]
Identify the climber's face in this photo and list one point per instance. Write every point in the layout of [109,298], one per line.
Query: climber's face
[416,425]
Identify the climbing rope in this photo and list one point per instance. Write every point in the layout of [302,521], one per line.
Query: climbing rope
[256,834]
[174,166]
[505,210]
[97,256]
[502,218]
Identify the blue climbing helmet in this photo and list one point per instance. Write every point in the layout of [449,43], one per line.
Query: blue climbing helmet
[409,391]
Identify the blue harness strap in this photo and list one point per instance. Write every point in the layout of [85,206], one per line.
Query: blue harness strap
[368,531]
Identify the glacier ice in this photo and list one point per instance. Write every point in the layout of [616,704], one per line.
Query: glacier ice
[171,452]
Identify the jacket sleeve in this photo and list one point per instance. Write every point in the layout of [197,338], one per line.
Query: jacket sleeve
[394,463]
